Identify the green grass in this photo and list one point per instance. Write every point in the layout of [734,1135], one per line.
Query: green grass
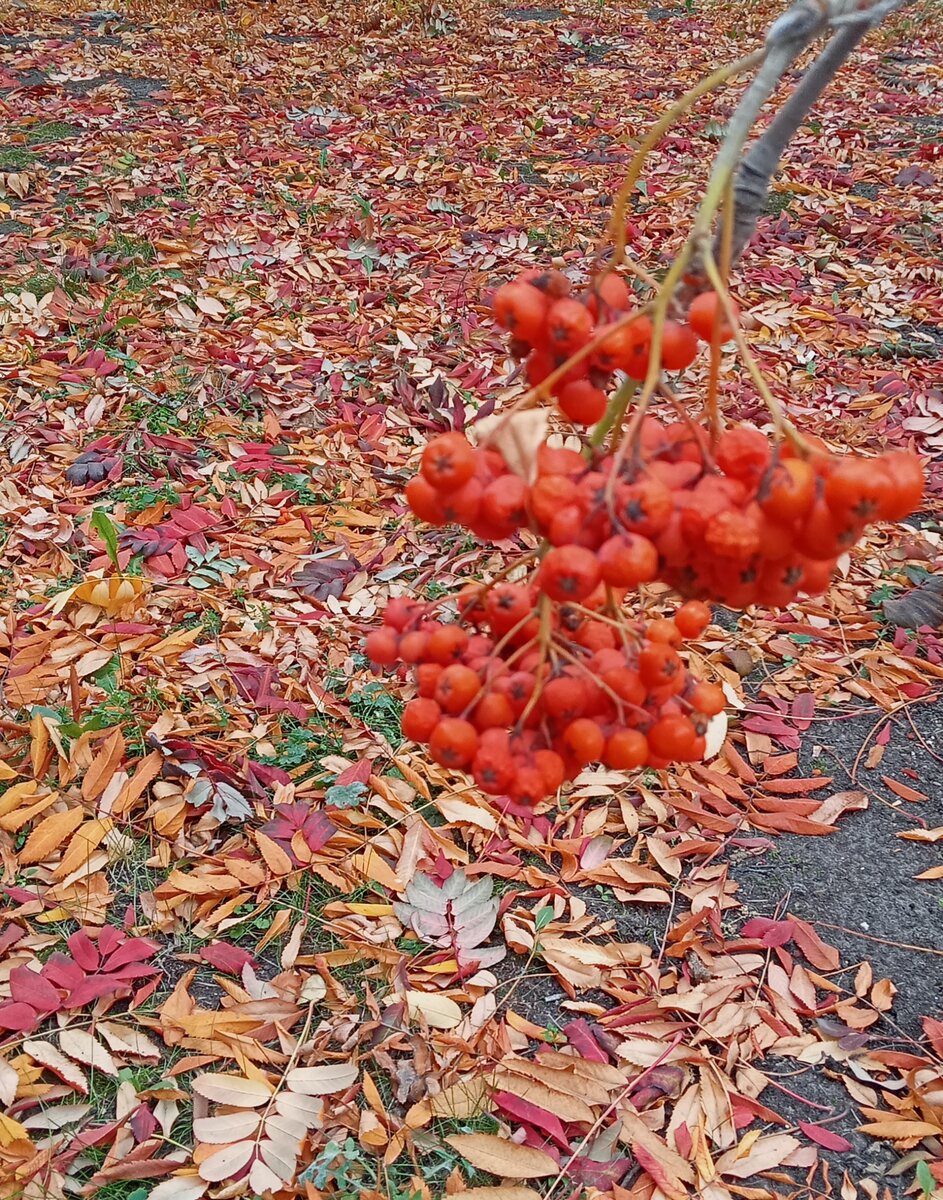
[137,497]
[15,158]
[50,131]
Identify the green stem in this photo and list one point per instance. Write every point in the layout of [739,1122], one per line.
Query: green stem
[618,406]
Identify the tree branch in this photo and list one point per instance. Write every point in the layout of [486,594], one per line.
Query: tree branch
[756,170]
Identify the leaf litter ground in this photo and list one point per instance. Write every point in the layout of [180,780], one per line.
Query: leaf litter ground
[244,265]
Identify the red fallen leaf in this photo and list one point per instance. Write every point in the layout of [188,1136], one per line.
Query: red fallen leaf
[94,988]
[601,1175]
[797,787]
[803,709]
[29,987]
[133,950]
[356,773]
[934,1031]
[18,1017]
[902,790]
[580,1037]
[817,952]
[656,1171]
[143,1123]
[63,971]
[825,1137]
[531,1114]
[769,932]
[84,951]
[683,1140]
[225,957]
[109,938]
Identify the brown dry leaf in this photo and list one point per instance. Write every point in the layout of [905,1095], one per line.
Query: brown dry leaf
[502,1157]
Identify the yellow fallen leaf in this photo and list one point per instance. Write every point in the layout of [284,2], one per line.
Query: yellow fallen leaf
[12,1131]
[440,1012]
[6,772]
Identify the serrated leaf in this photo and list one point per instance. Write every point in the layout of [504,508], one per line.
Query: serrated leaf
[502,1157]
[226,1162]
[234,1090]
[47,1055]
[322,1081]
[80,1045]
[232,1127]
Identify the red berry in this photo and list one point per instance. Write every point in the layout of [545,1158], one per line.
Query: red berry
[584,740]
[382,646]
[420,717]
[448,461]
[679,346]
[627,560]
[568,573]
[447,644]
[453,743]
[456,688]
[582,403]
[704,311]
[522,310]
[673,738]
[625,750]
[569,325]
[425,501]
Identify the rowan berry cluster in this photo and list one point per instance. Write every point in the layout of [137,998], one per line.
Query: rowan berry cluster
[523,712]
[537,679]
[548,326]
[735,522]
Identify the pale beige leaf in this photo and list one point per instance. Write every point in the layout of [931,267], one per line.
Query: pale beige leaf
[517,436]
[124,1040]
[300,1108]
[280,1158]
[501,1193]
[80,1045]
[178,1187]
[234,1090]
[262,1179]
[466,1098]
[440,1012]
[9,1082]
[232,1127]
[322,1081]
[764,1154]
[226,1162]
[47,1054]
[502,1157]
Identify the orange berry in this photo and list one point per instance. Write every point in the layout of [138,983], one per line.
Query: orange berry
[382,646]
[705,312]
[453,743]
[625,750]
[448,461]
[584,740]
[693,618]
[420,717]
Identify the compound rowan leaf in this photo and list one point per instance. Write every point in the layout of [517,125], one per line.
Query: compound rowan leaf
[234,1090]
